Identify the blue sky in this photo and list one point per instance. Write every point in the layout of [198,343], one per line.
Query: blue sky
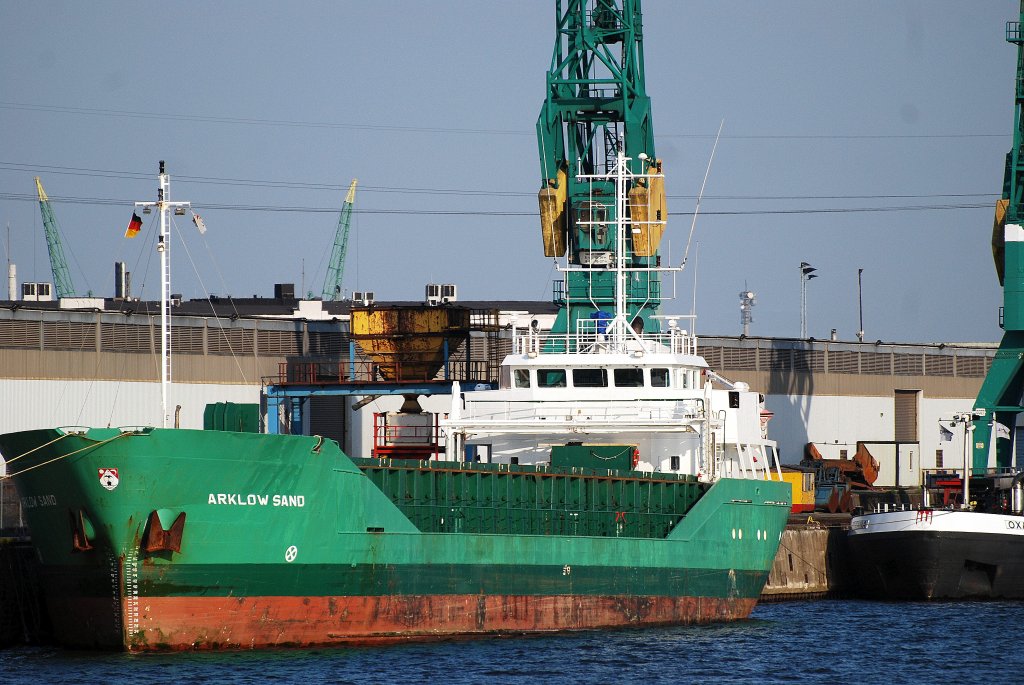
[265,111]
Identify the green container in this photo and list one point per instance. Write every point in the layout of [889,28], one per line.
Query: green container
[593,456]
[231,416]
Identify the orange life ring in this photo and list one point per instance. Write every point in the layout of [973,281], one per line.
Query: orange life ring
[636,456]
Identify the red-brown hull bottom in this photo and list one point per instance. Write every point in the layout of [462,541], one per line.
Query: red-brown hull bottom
[198,623]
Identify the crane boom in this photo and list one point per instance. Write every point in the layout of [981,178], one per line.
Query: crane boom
[597,106]
[999,400]
[336,266]
[58,265]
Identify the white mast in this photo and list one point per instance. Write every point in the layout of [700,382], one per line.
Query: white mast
[163,246]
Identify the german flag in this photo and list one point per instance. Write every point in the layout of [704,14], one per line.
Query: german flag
[134,226]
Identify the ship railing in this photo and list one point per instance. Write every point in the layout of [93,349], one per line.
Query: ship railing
[345,372]
[559,413]
[591,337]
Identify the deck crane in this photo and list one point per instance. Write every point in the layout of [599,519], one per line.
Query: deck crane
[336,267]
[597,105]
[999,400]
[58,265]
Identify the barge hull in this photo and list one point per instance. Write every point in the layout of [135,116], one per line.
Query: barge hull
[919,565]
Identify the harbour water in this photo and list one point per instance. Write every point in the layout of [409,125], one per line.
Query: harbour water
[808,642]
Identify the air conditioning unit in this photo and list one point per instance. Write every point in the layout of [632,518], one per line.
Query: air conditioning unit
[448,293]
[433,294]
[36,292]
[363,296]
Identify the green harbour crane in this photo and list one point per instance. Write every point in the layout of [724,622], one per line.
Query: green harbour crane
[1000,398]
[596,106]
[336,266]
[58,265]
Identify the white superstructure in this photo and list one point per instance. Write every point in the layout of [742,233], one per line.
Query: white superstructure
[608,384]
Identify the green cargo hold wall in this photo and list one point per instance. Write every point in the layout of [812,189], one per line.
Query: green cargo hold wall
[458,497]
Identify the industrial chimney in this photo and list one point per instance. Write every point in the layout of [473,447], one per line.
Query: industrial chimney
[122,281]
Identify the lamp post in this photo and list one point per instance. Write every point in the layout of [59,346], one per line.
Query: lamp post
[747,302]
[860,306]
[806,274]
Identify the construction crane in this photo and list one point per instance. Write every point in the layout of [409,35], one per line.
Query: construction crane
[336,267]
[999,400]
[597,105]
[58,265]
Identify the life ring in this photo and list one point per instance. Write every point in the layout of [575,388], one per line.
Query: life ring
[636,456]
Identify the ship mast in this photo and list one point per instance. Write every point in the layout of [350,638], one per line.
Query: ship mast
[164,205]
[620,328]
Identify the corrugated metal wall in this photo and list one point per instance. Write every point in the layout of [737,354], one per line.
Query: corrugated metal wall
[328,417]
[905,416]
[30,404]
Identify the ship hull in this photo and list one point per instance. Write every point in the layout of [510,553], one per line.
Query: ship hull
[213,540]
[938,555]
[217,623]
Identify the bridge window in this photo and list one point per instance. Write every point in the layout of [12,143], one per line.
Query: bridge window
[659,378]
[590,378]
[629,378]
[522,378]
[551,378]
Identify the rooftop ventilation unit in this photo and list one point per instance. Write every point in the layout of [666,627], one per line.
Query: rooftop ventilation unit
[433,294]
[438,293]
[37,292]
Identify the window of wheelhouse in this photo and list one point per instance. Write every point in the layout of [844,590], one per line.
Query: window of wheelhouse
[551,378]
[522,378]
[629,378]
[590,378]
[660,378]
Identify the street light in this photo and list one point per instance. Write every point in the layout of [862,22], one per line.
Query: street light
[806,274]
[747,302]
[860,306]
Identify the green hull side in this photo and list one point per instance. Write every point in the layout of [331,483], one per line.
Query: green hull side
[249,498]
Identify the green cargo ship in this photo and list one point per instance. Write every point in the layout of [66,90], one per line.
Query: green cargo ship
[165,539]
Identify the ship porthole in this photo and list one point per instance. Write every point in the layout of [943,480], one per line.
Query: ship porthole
[733,533]
[740,533]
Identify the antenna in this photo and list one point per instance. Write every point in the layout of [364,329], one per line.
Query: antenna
[696,211]
[693,306]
